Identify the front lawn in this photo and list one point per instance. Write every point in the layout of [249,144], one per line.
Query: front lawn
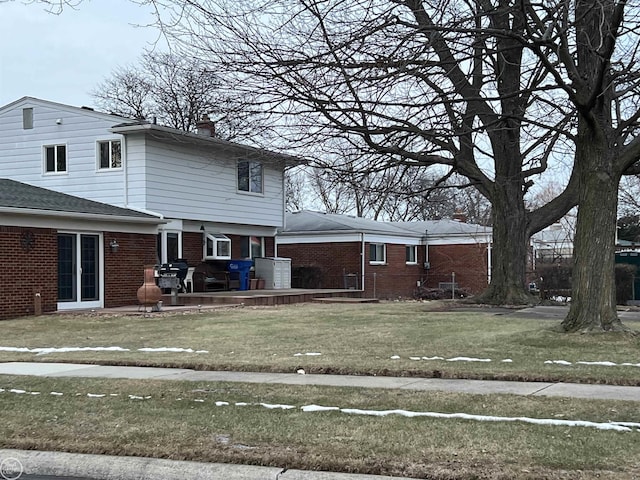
[382,339]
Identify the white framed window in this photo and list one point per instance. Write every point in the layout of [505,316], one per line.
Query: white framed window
[169,246]
[252,247]
[377,253]
[217,247]
[55,158]
[411,254]
[109,154]
[250,178]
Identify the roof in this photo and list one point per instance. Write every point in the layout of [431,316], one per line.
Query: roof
[16,197]
[175,135]
[308,222]
[61,106]
[445,227]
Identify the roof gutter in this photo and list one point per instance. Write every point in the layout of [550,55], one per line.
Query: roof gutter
[81,215]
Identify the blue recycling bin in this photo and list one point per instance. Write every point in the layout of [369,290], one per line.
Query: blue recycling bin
[242,269]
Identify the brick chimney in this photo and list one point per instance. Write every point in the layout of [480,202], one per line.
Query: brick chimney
[460,216]
[206,127]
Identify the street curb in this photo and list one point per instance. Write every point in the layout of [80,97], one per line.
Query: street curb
[108,467]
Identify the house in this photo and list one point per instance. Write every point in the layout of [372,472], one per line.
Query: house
[216,200]
[384,259]
[61,252]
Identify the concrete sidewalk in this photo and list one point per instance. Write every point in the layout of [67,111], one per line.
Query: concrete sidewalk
[604,392]
[104,467]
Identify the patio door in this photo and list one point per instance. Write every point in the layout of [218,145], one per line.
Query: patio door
[79,271]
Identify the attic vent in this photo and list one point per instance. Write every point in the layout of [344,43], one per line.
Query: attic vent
[27,118]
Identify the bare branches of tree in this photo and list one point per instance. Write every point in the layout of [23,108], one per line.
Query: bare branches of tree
[177,91]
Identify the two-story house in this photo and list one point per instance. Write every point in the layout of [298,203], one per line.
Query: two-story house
[212,199]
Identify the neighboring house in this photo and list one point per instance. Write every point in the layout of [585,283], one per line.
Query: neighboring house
[553,244]
[61,252]
[218,200]
[384,259]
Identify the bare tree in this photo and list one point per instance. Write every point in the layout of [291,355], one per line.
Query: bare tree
[419,83]
[177,91]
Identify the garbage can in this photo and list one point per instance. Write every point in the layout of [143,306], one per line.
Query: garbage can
[242,269]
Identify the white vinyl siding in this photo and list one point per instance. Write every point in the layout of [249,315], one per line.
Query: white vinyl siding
[22,155]
[201,185]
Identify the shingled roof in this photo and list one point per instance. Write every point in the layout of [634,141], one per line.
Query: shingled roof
[17,196]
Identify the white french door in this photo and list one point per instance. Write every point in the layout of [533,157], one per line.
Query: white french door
[79,270]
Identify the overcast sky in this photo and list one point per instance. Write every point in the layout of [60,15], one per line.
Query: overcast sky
[63,57]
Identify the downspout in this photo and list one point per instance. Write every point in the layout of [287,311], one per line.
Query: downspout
[126,170]
[362,262]
[489,246]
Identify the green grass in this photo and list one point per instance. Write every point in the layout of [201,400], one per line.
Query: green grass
[353,339]
[171,424]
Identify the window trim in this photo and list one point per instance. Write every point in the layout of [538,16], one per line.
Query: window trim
[414,249]
[215,238]
[66,159]
[249,191]
[384,253]
[109,141]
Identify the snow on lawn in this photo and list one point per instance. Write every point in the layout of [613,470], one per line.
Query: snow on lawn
[308,354]
[616,426]
[508,360]
[603,363]
[47,350]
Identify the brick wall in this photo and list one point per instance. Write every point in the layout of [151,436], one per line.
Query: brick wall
[469,262]
[331,260]
[396,278]
[26,270]
[124,269]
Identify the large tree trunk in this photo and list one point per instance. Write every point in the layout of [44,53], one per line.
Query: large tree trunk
[510,239]
[593,305]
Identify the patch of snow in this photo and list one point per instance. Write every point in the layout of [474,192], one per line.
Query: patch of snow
[277,406]
[241,404]
[395,357]
[415,358]
[199,400]
[318,408]
[468,359]
[604,364]
[308,354]
[57,394]
[171,349]
[506,360]
[558,362]
[15,390]
[222,404]
[135,397]
[34,393]
[433,358]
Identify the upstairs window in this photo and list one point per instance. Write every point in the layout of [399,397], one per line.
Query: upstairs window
[217,247]
[411,254]
[109,155]
[250,177]
[377,253]
[55,158]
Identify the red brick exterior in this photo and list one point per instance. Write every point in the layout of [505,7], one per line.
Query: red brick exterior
[468,261]
[124,269]
[30,270]
[395,278]
[27,270]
